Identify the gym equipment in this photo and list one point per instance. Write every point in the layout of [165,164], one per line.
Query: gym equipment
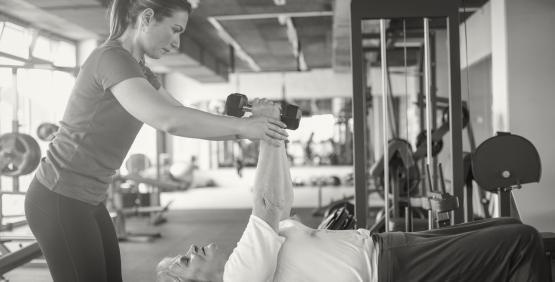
[437,135]
[339,217]
[47,131]
[448,13]
[117,199]
[237,104]
[340,204]
[19,154]
[505,162]
[437,143]
[465,116]
[137,163]
[400,161]
[549,246]
[10,260]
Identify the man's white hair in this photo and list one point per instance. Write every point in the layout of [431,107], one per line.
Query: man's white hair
[165,273]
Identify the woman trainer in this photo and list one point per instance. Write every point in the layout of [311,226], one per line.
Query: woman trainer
[114,94]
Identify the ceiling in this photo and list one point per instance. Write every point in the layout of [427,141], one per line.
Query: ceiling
[223,36]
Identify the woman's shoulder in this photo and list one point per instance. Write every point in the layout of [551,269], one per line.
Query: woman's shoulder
[112,49]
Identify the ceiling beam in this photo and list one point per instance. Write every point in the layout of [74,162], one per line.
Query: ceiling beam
[239,51]
[31,16]
[274,15]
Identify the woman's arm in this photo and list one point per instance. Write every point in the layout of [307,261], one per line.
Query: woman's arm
[142,101]
[168,96]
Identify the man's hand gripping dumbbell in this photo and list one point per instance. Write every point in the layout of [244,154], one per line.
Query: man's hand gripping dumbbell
[237,104]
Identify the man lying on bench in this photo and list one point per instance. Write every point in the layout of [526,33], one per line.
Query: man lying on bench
[274,247]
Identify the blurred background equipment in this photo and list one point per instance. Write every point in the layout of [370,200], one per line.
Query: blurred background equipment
[46,131]
[19,154]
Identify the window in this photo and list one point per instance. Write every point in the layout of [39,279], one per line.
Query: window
[43,48]
[15,40]
[65,55]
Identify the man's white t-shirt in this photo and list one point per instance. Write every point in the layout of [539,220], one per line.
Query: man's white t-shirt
[300,253]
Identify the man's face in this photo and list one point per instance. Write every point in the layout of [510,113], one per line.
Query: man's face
[201,263]
[160,37]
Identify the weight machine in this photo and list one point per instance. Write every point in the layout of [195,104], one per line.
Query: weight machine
[399,9]
[141,204]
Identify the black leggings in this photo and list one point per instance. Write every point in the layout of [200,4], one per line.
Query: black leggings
[499,249]
[78,240]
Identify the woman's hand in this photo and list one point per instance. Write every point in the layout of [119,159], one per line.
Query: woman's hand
[264,128]
[265,123]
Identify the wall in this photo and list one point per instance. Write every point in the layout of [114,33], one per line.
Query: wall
[529,94]
[321,83]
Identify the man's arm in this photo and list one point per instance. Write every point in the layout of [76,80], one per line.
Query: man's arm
[256,255]
[273,189]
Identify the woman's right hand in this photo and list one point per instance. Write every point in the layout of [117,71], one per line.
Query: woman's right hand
[264,128]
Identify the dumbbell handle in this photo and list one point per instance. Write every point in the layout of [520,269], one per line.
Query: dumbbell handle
[248,108]
[237,105]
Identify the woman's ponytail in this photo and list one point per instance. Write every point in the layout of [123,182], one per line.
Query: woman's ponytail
[119,19]
[123,13]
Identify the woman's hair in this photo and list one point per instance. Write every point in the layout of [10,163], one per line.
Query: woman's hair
[125,12]
[164,272]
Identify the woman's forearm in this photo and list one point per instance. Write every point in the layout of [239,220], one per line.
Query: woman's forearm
[189,122]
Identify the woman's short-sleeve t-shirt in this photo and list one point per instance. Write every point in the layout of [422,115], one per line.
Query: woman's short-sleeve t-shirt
[96,132]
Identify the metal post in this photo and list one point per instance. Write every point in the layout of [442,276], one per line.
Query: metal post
[359,121]
[385,122]
[455,112]
[427,72]
[504,202]
[15,120]
[430,220]
[319,194]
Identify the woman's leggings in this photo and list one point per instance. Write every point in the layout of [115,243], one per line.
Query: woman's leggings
[78,240]
[499,249]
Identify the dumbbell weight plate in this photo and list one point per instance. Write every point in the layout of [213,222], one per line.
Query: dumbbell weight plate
[291,116]
[234,104]
[19,154]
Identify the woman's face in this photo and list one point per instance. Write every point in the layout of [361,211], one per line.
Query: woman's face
[201,263]
[160,37]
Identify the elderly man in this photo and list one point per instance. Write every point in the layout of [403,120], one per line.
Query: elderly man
[275,247]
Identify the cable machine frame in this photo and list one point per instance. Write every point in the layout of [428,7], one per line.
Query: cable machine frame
[376,10]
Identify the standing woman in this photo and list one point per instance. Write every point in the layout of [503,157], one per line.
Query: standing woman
[114,94]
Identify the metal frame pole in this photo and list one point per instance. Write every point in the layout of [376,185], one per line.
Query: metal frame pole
[15,120]
[383,45]
[359,122]
[427,73]
[455,114]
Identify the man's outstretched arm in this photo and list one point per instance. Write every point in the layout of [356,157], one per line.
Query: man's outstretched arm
[256,255]
[273,189]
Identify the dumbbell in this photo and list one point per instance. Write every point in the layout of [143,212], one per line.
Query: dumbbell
[237,104]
